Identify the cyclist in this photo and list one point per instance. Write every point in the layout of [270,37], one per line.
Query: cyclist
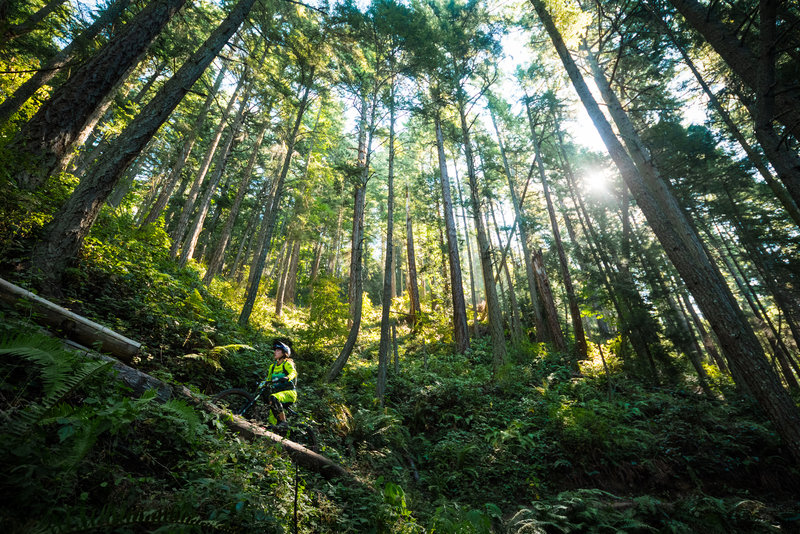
[283,376]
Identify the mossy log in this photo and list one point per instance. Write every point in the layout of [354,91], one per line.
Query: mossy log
[308,459]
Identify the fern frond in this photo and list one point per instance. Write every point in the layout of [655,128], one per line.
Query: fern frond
[46,352]
[111,519]
[224,350]
[23,421]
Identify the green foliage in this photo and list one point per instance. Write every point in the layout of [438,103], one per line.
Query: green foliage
[595,511]
[328,314]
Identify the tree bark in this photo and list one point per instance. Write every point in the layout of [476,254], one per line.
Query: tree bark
[71,325]
[216,256]
[271,215]
[413,287]
[51,133]
[51,68]
[194,190]
[12,32]
[468,242]
[388,268]
[366,131]
[742,61]
[186,150]
[542,333]
[74,220]
[460,333]
[190,243]
[754,158]
[575,314]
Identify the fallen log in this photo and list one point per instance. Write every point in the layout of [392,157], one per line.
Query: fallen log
[140,382]
[71,325]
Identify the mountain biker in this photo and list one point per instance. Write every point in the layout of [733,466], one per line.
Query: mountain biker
[283,376]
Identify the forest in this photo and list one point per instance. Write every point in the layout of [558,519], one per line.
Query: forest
[536,263]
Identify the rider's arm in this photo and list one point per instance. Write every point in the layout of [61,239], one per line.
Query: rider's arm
[290,369]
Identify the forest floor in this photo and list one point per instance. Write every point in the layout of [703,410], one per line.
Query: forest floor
[455,447]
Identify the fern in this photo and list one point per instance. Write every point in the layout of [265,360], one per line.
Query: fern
[61,386]
[48,353]
[111,519]
[214,356]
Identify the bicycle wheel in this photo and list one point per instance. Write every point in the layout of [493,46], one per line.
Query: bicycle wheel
[237,401]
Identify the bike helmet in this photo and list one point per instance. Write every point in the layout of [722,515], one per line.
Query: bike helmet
[283,346]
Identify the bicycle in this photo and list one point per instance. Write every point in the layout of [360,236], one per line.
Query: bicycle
[245,404]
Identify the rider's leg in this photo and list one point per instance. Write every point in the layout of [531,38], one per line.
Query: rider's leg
[277,410]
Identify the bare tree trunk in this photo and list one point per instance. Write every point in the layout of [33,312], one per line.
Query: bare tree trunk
[186,150]
[102,115]
[194,190]
[187,251]
[51,133]
[542,333]
[413,287]
[216,256]
[388,269]
[333,259]
[577,323]
[290,286]
[543,287]
[468,241]
[48,71]
[514,312]
[74,220]
[460,334]
[683,246]
[271,216]
[365,135]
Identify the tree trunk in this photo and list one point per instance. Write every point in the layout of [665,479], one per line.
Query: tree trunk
[460,334]
[186,150]
[413,287]
[48,71]
[388,269]
[102,116]
[514,313]
[190,243]
[468,241]
[194,190]
[333,259]
[12,32]
[742,61]
[753,157]
[290,287]
[74,220]
[681,243]
[542,334]
[271,216]
[216,256]
[365,135]
[51,133]
[575,314]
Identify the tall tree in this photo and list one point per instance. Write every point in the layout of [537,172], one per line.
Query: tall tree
[683,246]
[54,65]
[73,221]
[50,135]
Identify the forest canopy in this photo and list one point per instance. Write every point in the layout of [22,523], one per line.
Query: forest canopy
[536,261]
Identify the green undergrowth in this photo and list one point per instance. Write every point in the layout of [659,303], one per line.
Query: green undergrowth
[455,447]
